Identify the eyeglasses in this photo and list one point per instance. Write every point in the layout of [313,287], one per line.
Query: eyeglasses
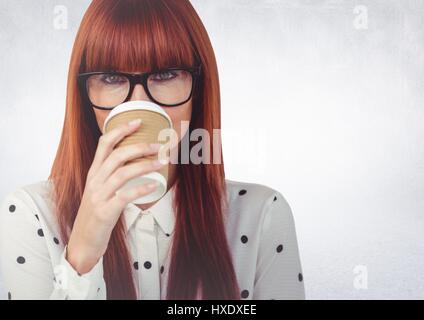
[170,87]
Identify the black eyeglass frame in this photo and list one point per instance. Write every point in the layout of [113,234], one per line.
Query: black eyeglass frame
[140,78]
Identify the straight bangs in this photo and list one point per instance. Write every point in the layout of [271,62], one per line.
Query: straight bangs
[141,37]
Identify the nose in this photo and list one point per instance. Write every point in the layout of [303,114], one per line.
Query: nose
[139,94]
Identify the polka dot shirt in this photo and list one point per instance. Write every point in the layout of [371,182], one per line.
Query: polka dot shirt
[259,226]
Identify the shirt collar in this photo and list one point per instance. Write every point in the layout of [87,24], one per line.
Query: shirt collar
[162,212]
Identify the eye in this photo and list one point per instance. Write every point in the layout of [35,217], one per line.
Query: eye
[164,76]
[113,79]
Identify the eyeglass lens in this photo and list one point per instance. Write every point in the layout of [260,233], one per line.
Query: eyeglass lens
[168,88]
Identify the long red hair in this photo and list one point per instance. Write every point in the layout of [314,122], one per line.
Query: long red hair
[136,36]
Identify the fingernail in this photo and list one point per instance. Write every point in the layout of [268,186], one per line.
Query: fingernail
[135,122]
[155,146]
[157,163]
[164,161]
[152,185]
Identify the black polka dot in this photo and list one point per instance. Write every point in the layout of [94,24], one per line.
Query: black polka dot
[9,296]
[272,299]
[243,239]
[167,234]
[40,232]
[21,260]
[37,217]
[135,265]
[98,289]
[56,240]
[147,265]
[161,269]
[275,198]
[300,276]
[280,248]
[244,294]
[242,192]
[12,208]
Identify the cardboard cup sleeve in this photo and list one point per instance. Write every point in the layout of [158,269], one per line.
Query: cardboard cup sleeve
[154,120]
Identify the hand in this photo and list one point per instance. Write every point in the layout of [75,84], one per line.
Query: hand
[100,206]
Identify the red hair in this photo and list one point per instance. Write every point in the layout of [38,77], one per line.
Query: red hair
[137,36]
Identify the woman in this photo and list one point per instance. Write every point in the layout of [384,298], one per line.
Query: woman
[72,237]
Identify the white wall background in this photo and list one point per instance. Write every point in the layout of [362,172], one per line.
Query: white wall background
[335,102]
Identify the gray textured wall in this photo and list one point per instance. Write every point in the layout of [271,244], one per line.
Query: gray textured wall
[333,120]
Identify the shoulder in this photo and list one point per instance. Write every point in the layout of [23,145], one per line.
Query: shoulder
[254,197]
[257,207]
[34,198]
[30,206]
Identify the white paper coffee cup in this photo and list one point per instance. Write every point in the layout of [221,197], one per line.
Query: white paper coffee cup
[154,120]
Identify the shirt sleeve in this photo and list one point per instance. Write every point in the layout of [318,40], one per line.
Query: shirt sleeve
[27,267]
[71,285]
[279,273]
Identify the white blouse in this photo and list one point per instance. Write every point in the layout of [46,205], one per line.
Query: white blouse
[259,225]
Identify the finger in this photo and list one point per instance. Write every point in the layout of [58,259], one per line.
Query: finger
[122,198]
[108,141]
[121,176]
[122,155]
